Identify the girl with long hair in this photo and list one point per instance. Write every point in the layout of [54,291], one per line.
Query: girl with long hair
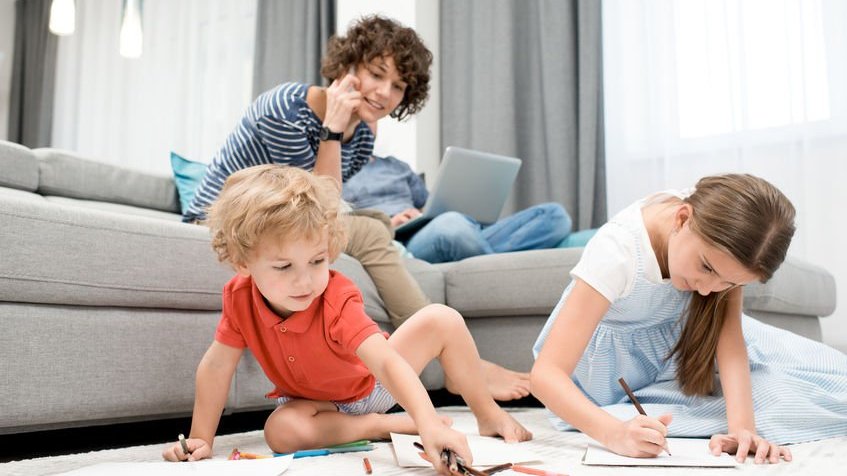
[656,299]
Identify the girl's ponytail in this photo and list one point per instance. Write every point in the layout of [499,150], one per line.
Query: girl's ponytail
[697,345]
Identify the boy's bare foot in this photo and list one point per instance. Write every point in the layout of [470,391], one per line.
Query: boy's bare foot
[502,424]
[401,423]
[504,384]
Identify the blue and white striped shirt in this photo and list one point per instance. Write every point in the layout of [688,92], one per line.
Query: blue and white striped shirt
[278,128]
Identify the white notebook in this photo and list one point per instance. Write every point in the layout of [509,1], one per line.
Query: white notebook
[687,452]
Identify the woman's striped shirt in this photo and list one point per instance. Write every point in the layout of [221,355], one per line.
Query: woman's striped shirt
[278,128]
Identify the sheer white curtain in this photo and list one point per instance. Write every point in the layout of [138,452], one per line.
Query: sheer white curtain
[185,93]
[697,87]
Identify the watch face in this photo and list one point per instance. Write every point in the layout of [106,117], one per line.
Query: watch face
[326,134]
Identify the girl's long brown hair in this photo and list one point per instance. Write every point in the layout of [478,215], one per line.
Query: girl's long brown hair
[752,221]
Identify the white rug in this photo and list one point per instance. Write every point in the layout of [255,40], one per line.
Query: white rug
[561,452]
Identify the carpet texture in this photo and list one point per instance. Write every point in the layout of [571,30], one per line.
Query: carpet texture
[561,452]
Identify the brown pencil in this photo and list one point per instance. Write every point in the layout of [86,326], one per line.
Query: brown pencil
[636,403]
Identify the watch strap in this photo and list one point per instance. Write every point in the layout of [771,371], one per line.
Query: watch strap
[327,134]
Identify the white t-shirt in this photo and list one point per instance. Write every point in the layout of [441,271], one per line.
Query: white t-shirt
[608,261]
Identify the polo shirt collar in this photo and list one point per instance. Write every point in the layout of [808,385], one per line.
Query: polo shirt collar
[297,322]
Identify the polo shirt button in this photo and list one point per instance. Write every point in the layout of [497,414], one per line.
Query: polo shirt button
[291,359]
[283,329]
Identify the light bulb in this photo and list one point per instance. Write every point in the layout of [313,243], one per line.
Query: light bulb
[62,17]
[131,34]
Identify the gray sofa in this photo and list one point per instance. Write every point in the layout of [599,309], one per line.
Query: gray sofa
[107,301]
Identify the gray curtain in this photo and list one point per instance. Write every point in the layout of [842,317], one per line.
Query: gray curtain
[33,75]
[291,37]
[524,78]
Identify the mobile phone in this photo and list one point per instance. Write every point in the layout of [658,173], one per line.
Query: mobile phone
[352,72]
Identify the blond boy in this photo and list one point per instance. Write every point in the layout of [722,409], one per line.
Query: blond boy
[335,373]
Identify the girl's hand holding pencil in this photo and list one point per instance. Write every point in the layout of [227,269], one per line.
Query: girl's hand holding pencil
[641,437]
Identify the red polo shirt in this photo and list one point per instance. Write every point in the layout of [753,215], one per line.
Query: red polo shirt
[310,354]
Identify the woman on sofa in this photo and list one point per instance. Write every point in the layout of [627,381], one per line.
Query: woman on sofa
[379,68]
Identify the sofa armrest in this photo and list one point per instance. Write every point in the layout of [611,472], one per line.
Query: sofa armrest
[19,166]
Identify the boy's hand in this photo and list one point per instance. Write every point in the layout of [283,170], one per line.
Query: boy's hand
[746,442]
[198,449]
[439,437]
[641,437]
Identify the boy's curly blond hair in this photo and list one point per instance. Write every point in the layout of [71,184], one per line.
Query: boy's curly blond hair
[281,202]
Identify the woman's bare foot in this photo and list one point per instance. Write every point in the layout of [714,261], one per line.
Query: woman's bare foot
[500,423]
[400,423]
[504,384]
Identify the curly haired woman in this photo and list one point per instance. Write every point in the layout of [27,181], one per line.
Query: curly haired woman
[379,68]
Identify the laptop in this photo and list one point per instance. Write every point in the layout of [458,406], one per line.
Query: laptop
[471,182]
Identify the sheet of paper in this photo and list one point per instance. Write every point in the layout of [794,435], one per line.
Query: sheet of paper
[486,451]
[685,451]
[244,467]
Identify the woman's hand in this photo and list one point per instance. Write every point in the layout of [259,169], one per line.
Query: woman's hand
[746,442]
[641,437]
[198,448]
[404,216]
[342,101]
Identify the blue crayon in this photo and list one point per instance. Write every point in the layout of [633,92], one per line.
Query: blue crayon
[327,451]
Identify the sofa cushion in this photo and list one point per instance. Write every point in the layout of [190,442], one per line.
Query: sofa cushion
[78,256]
[531,282]
[67,175]
[75,255]
[115,208]
[802,288]
[20,194]
[523,283]
[19,166]
[428,277]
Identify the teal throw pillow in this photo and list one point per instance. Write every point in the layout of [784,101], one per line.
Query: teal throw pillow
[577,238]
[187,176]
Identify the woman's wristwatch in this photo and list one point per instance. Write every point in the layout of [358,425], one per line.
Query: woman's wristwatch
[327,134]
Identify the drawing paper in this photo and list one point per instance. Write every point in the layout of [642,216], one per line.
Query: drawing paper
[687,452]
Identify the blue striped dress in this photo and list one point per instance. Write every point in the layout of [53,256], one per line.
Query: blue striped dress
[799,385]
[278,128]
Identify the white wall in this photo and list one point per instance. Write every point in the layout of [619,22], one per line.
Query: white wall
[416,140]
[7,35]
